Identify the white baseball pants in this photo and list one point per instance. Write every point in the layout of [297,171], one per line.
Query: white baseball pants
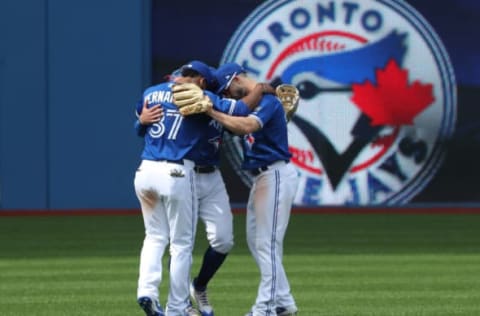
[167,196]
[268,213]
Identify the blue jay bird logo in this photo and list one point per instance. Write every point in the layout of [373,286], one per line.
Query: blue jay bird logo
[377,95]
[358,66]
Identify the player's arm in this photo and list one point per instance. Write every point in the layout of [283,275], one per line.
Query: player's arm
[240,125]
[252,99]
[244,106]
[147,116]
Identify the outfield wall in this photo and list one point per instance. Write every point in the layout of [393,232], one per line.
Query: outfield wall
[71,72]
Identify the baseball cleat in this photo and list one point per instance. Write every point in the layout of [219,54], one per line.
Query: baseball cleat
[286,311]
[201,299]
[150,307]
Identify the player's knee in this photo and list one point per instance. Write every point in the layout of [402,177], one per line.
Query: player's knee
[223,244]
[155,238]
[177,249]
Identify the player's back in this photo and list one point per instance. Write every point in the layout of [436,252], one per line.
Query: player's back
[174,136]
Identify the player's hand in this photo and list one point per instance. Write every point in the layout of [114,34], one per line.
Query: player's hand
[150,115]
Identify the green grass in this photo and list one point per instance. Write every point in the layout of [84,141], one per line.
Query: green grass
[345,265]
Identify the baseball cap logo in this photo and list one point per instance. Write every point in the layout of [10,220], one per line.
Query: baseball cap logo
[377,95]
[226,73]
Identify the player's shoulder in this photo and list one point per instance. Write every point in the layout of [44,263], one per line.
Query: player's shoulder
[271,97]
[270,101]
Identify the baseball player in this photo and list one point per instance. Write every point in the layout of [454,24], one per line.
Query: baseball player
[213,201]
[165,186]
[266,156]
[214,205]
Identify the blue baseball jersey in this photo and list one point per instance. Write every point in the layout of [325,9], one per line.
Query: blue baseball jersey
[175,136]
[270,142]
[206,151]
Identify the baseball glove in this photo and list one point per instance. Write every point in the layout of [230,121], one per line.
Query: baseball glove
[189,99]
[290,97]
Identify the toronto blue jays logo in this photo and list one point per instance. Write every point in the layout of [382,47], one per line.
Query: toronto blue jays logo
[378,95]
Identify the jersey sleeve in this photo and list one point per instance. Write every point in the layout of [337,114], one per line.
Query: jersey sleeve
[266,109]
[139,107]
[228,106]
[140,129]
[241,109]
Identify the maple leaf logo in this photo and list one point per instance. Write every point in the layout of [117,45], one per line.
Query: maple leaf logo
[392,101]
[249,139]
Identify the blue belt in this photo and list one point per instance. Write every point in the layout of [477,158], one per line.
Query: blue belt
[178,162]
[257,171]
[204,169]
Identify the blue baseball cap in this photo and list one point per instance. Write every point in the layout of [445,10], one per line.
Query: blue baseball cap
[225,74]
[203,69]
[214,86]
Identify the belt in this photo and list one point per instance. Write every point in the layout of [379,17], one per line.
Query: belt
[204,169]
[261,169]
[178,162]
[186,163]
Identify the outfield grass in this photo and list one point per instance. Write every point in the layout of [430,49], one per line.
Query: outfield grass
[338,265]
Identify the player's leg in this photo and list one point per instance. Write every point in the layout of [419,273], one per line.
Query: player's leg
[215,212]
[155,242]
[250,225]
[272,197]
[251,229]
[289,182]
[182,218]
[261,235]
